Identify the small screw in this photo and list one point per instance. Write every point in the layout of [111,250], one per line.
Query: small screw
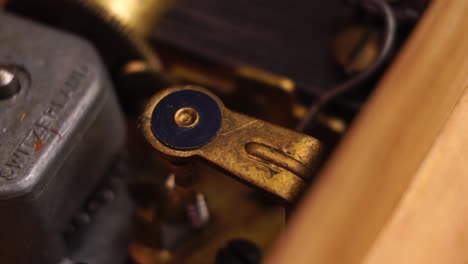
[356,48]
[186,117]
[9,84]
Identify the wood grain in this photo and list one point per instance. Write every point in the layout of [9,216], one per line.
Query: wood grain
[430,224]
[391,165]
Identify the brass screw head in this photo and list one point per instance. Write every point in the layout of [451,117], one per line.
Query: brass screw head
[357,47]
[186,117]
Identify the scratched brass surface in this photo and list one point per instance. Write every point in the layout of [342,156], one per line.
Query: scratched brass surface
[279,161]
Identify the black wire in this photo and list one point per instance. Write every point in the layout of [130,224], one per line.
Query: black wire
[389,40]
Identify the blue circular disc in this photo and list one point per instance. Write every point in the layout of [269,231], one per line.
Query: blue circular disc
[170,134]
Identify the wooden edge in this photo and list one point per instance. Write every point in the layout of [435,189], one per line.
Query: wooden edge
[360,189]
[430,225]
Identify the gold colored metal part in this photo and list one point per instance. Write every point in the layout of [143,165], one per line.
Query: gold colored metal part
[118,28]
[269,157]
[268,78]
[135,67]
[186,117]
[148,255]
[140,16]
[227,84]
[277,157]
[251,90]
[333,123]
[266,219]
[264,89]
[133,20]
[356,48]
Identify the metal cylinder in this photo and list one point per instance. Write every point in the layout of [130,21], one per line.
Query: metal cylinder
[139,16]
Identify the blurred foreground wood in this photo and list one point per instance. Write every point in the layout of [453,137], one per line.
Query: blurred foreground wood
[396,189]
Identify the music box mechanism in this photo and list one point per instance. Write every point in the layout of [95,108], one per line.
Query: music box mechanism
[177,131]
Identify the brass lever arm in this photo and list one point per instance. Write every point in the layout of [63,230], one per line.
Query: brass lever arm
[189,121]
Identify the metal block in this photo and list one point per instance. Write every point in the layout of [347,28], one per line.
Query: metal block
[58,136]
